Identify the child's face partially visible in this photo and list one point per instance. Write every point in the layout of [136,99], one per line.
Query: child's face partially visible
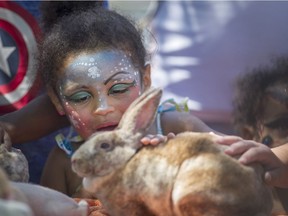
[274,124]
[96,89]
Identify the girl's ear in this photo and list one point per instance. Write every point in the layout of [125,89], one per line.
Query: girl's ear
[56,101]
[146,77]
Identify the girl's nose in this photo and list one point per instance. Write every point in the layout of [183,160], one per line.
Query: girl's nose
[103,107]
[104,110]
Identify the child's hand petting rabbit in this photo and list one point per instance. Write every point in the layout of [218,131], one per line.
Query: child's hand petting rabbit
[188,175]
[276,172]
[156,139]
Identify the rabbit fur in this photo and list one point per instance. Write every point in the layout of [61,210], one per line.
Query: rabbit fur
[187,175]
[14,162]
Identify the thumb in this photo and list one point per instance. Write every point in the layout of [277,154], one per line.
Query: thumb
[273,178]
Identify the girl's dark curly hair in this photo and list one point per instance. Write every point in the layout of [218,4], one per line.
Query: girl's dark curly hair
[52,11]
[250,90]
[87,30]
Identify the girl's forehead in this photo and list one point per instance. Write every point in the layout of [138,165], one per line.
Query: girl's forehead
[103,58]
[100,65]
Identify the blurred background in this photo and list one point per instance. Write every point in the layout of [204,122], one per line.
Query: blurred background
[197,49]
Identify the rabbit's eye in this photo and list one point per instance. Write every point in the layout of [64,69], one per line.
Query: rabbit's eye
[105,146]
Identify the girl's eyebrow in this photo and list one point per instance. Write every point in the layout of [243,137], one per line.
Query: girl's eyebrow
[278,95]
[120,72]
[282,120]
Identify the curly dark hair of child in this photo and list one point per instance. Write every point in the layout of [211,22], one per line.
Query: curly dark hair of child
[251,89]
[86,29]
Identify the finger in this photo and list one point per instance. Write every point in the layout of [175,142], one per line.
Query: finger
[269,178]
[239,147]
[170,135]
[227,140]
[274,178]
[157,140]
[260,154]
[145,141]
[215,135]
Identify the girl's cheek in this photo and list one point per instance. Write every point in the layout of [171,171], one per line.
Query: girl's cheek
[79,121]
[124,104]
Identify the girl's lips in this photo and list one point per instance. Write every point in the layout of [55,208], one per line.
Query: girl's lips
[107,127]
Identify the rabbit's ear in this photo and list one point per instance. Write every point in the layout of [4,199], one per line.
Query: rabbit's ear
[141,113]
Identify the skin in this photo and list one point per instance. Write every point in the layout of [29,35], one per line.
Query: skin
[102,91]
[94,98]
[272,131]
[274,161]
[274,122]
[39,110]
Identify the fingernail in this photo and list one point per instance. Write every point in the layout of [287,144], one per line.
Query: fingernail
[242,160]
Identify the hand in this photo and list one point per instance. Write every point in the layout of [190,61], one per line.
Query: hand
[156,139]
[251,151]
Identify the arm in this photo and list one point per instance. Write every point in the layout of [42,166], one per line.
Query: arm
[54,172]
[282,153]
[178,122]
[173,123]
[36,119]
[282,174]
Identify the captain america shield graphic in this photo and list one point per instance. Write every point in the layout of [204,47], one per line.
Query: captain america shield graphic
[19,33]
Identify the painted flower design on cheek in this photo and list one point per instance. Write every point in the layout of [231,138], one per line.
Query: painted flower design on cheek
[74,116]
[77,121]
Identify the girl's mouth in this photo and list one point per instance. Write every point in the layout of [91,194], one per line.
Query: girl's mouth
[107,127]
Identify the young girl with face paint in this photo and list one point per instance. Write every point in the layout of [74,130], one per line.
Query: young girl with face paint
[94,66]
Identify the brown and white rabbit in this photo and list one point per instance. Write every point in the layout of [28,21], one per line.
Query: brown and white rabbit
[13,162]
[188,175]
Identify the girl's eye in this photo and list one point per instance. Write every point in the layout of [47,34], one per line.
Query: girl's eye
[278,124]
[120,88]
[79,97]
[267,140]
